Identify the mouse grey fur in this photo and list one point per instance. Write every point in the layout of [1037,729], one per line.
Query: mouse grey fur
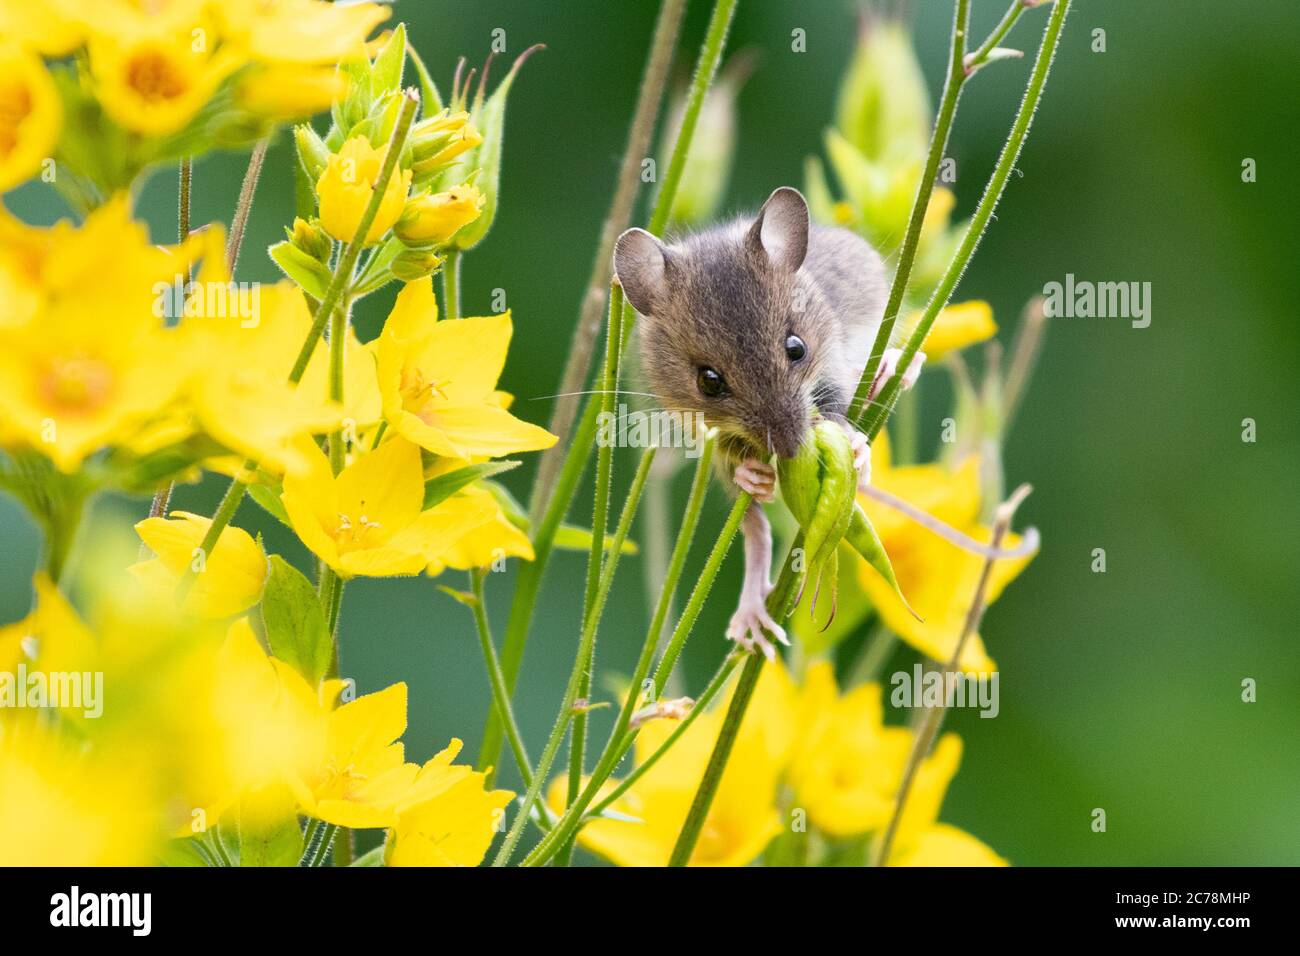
[726,300]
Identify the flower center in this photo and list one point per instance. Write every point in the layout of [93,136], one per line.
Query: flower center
[15,107]
[354,530]
[78,383]
[154,77]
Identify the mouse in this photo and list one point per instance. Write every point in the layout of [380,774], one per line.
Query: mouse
[758,325]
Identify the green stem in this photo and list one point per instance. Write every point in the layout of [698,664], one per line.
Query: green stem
[322,848]
[528,584]
[342,275]
[451,283]
[981,55]
[907,253]
[875,417]
[500,697]
[599,521]
[581,663]
[749,677]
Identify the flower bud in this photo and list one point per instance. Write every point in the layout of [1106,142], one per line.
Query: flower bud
[884,107]
[345,188]
[435,219]
[312,151]
[412,264]
[311,239]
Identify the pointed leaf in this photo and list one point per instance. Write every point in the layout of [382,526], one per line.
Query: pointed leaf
[295,622]
[444,486]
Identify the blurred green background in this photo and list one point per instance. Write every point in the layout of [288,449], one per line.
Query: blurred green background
[1119,690]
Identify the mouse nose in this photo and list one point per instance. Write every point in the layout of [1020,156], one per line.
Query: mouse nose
[786,434]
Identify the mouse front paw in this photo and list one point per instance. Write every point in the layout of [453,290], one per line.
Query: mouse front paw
[756,478]
[861,454]
[889,365]
[748,624]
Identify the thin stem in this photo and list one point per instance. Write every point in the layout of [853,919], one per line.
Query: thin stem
[1024,356]
[239,223]
[451,283]
[582,661]
[225,512]
[978,58]
[907,253]
[617,745]
[323,848]
[576,366]
[599,521]
[529,582]
[338,338]
[186,177]
[577,813]
[929,728]
[342,275]
[875,417]
[500,697]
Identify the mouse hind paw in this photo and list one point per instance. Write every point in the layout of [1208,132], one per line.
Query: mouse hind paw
[749,623]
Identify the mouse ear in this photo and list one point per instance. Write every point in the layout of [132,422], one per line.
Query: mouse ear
[781,229]
[639,260]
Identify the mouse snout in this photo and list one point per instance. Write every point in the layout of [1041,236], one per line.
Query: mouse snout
[786,431]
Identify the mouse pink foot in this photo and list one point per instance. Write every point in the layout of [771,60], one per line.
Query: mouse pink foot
[861,454]
[889,365]
[749,622]
[756,478]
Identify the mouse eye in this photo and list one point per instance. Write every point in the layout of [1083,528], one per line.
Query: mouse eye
[794,348]
[710,383]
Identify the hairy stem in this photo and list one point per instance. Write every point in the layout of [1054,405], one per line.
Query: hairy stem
[653,81]
[581,662]
[528,584]
[451,284]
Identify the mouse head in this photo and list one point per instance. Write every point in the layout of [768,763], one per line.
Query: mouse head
[730,329]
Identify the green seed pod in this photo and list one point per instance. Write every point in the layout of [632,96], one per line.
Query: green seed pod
[864,540]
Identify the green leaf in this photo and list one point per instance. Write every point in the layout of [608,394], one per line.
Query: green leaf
[431,102]
[571,537]
[295,622]
[275,842]
[301,268]
[386,74]
[464,597]
[490,119]
[269,499]
[439,489]
[373,857]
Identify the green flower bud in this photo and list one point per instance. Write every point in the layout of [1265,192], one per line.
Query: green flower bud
[884,107]
[312,151]
[412,264]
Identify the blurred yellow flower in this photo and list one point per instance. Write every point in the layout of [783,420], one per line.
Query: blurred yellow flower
[436,218]
[345,188]
[227,582]
[847,764]
[300,31]
[453,818]
[62,805]
[40,25]
[369,519]
[938,577]
[31,115]
[921,840]
[155,81]
[52,636]
[955,327]
[743,818]
[438,380]
[288,91]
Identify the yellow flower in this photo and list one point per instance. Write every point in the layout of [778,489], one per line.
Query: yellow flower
[30,115]
[289,91]
[493,540]
[155,80]
[743,818]
[438,380]
[52,635]
[938,578]
[452,820]
[847,765]
[347,184]
[369,520]
[436,218]
[62,805]
[228,582]
[956,327]
[39,25]
[921,840]
[300,31]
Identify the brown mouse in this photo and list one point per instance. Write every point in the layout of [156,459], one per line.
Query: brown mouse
[755,324]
